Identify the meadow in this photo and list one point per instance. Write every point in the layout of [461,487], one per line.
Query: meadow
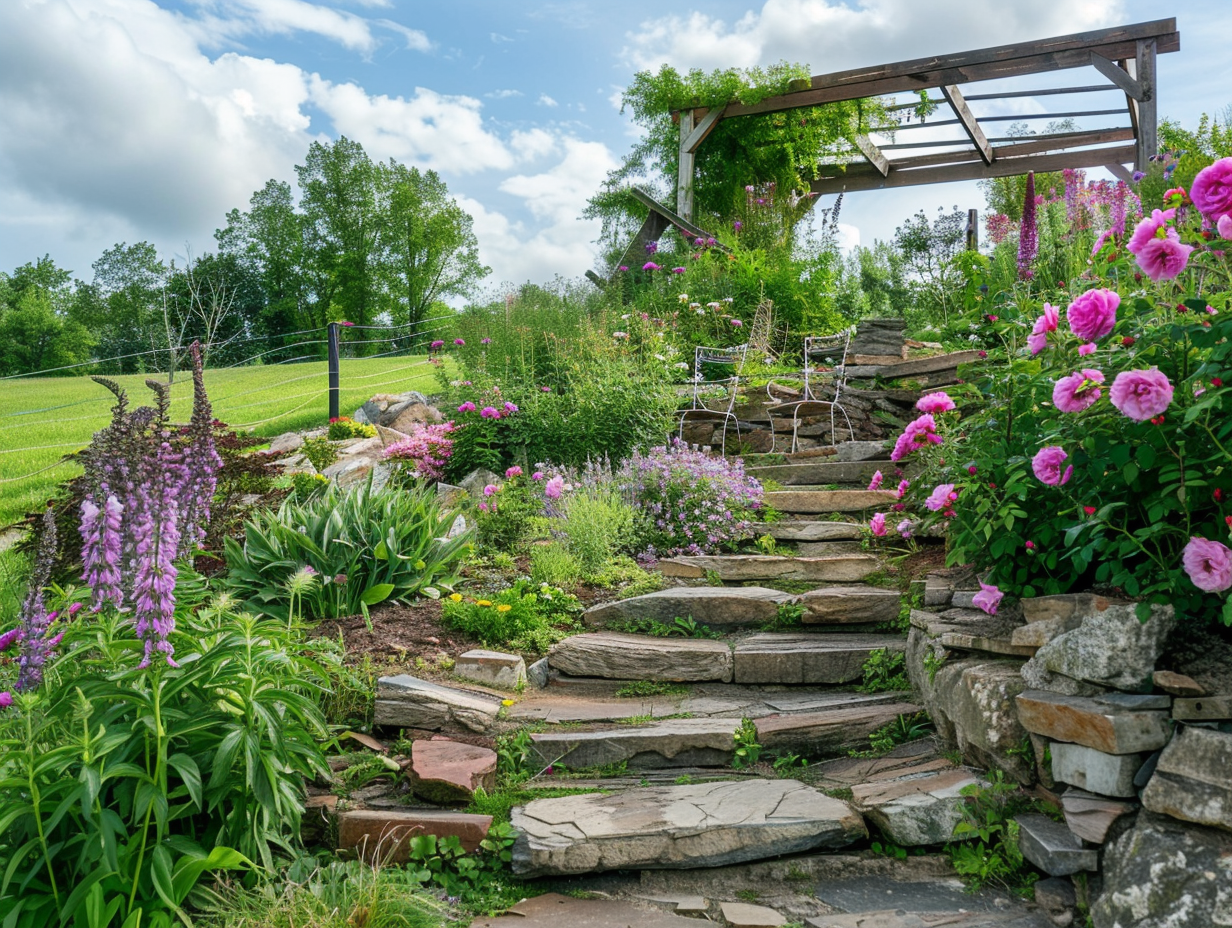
[44,418]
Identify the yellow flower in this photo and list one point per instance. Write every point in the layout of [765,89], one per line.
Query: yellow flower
[507,702]
[456,597]
[503,607]
[483,602]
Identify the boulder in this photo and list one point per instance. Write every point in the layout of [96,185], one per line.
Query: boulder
[1193,779]
[708,605]
[448,771]
[491,668]
[537,673]
[295,463]
[1038,677]
[286,443]
[615,656]
[1089,769]
[1081,720]
[1166,874]
[390,436]
[351,470]
[405,416]
[474,482]
[384,837]
[1111,647]
[1070,607]
[678,827]
[916,809]
[408,702]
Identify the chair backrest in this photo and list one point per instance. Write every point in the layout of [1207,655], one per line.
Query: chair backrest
[727,357]
[831,352]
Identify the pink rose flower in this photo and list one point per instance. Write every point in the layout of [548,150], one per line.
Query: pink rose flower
[1141,395]
[878,524]
[1037,341]
[935,402]
[988,598]
[1211,190]
[1164,258]
[918,433]
[1084,350]
[902,488]
[1148,229]
[1093,314]
[6,699]
[537,475]
[875,483]
[1078,391]
[489,489]
[1047,466]
[1224,226]
[489,412]
[512,472]
[468,406]
[552,489]
[941,497]
[1208,564]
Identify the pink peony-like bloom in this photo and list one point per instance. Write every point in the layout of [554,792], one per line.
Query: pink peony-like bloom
[1077,391]
[485,341]
[489,489]
[1084,350]
[1164,258]
[489,412]
[6,699]
[1093,314]
[1149,228]
[1224,226]
[878,524]
[905,528]
[439,343]
[460,342]
[1037,341]
[651,266]
[552,489]
[941,497]
[512,472]
[1208,564]
[468,406]
[1141,395]
[737,323]
[935,402]
[902,488]
[988,598]
[537,475]
[1047,466]
[1211,190]
[510,408]
[920,432]
[875,483]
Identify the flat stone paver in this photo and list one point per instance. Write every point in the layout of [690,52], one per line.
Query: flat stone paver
[788,657]
[846,568]
[408,702]
[614,656]
[707,605]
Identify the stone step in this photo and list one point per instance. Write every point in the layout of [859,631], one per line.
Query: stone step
[737,567]
[617,656]
[816,501]
[383,836]
[850,605]
[707,605]
[709,742]
[1052,847]
[404,701]
[678,827]
[795,658]
[845,452]
[807,530]
[1099,725]
[919,806]
[811,473]
[1091,817]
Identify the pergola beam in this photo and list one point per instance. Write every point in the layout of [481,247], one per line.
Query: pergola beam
[703,128]
[970,124]
[1118,76]
[874,154]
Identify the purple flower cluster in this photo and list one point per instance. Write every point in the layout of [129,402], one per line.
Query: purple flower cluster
[34,632]
[1028,234]
[693,502]
[147,502]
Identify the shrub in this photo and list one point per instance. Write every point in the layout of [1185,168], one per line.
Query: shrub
[344,427]
[524,617]
[506,514]
[598,525]
[553,565]
[689,501]
[319,452]
[346,551]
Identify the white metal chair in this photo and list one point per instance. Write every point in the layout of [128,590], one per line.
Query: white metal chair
[823,386]
[714,400]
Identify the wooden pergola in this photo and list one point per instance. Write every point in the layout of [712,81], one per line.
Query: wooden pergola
[1125,55]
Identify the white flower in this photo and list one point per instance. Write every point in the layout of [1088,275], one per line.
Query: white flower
[626,316]
[683,298]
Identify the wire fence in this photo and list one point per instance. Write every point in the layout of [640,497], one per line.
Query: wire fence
[35,435]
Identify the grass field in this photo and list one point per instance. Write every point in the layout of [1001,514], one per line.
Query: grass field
[42,419]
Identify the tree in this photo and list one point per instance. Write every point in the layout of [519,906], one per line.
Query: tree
[34,337]
[123,306]
[929,249]
[429,249]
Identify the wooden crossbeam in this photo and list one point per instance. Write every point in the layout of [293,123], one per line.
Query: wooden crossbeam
[674,219]
[1120,172]
[969,123]
[874,154]
[1062,52]
[1016,117]
[1118,76]
[702,129]
[975,170]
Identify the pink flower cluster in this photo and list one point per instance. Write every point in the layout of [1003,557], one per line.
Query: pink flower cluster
[942,497]
[935,402]
[1158,247]
[427,449]
[1037,341]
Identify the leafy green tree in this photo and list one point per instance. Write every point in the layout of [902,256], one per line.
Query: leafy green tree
[34,337]
[929,249]
[123,306]
[429,246]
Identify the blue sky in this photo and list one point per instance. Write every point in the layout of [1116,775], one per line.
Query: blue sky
[123,120]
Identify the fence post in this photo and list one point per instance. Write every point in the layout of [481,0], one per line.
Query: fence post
[332,335]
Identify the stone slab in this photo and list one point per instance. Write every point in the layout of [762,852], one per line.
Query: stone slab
[553,910]
[744,915]
[820,472]
[1092,817]
[959,918]
[875,893]
[934,364]
[383,837]
[840,605]
[492,668]
[614,656]
[408,702]
[817,501]
[1095,771]
[831,731]
[962,641]
[708,605]
[1134,700]
[449,771]
[791,658]
[828,548]
[1111,647]
[1205,708]
[1063,606]
[917,809]
[859,450]
[1177,684]
[1052,847]
[802,530]
[679,827]
[736,567]
[1039,633]
[666,743]
[1082,720]
[1193,779]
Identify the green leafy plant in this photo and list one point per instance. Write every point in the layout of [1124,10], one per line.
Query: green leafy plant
[889,736]
[524,616]
[552,564]
[651,688]
[766,544]
[598,525]
[934,662]
[787,764]
[444,863]
[786,616]
[885,670]
[679,627]
[747,749]
[319,452]
[305,486]
[506,513]
[988,848]
[345,427]
[361,547]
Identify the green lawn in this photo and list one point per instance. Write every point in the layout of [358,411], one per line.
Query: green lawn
[43,418]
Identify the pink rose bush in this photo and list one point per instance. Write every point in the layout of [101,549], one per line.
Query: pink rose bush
[1093,314]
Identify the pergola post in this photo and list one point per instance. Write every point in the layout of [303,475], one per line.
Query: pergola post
[684,180]
[1148,114]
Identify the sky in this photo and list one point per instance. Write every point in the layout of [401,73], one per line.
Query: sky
[132,120]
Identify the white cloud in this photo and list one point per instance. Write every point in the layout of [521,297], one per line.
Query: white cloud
[416,39]
[502,94]
[832,36]
[545,100]
[283,17]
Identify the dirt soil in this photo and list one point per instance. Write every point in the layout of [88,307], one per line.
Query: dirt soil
[399,634]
